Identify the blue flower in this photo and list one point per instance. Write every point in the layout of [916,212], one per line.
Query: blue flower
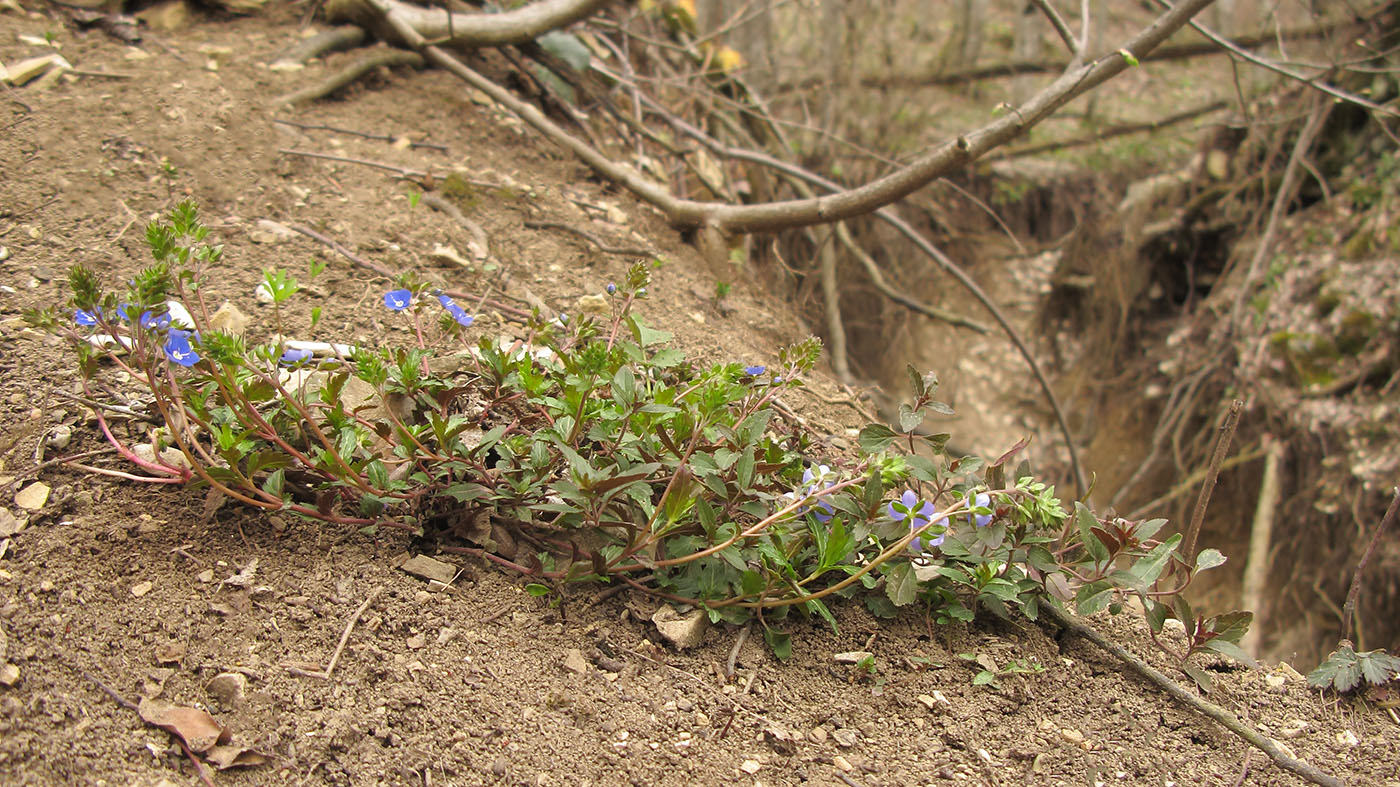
[612,288]
[460,315]
[447,302]
[812,483]
[157,321]
[85,318]
[178,350]
[398,300]
[292,357]
[918,513]
[981,500]
[121,312]
[754,371]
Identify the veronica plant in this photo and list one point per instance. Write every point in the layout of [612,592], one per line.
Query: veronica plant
[588,449]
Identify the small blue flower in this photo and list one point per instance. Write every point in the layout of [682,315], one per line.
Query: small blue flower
[85,318]
[460,315]
[447,302]
[612,288]
[158,322]
[754,371]
[918,513]
[398,300]
[292,357]
[121,312]
[981,500]
[642,293]
[178,350]
[812,483]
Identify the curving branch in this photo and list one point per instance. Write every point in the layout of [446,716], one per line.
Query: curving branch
[772,216]
[519,26]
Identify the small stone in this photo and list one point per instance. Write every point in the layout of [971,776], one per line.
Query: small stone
[228,688]
[1347,738]
[4,253]
[416,641]
[446,635]
[142,588]
[682,631]
[751,767]
[9,524]
[592,304]
[446,255]
[9,674]
[47,586]
[844,738]
[1293,728]
[574,661]
[1275,681]
[33,497]
[927,701]
[853,656]
[842,763]
[42,273]
[60,437]
[1072,735]
[206,576]
[424,567]
[698,318]
[270,232]
[500,765]
[818,735]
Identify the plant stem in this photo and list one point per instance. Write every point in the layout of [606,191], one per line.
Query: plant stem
[1354,592]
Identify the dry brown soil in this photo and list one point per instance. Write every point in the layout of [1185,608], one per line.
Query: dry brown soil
[124,583]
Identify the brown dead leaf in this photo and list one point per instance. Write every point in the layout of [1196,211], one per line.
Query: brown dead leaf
[195,727]
[224,757]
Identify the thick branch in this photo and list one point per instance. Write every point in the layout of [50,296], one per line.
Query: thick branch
[467,30]
[772,216]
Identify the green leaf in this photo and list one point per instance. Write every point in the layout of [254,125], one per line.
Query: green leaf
[377,475]
[1227,648]
[1128,58]
[880,606]
[1093,597]
[909,419]
[916,380]
[1209,558]
[274,483]
[1377,666]
[901,586]
[566,47]
[624,386]
[984,677]
[779,642]
[1084,518]
[536,589]
[743,470]
[875,438]
[1148,567]
[1201,677]
[816,605]
[1231,626]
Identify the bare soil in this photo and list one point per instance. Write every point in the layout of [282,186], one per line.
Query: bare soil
[123,583]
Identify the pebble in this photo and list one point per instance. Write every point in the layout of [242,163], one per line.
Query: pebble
[142,588]
[853,656]
[9,674]
[842,763]
[4,253]
[60,437]
[425,567]
[751,767]
[574,661]
[818,734]
[1072,735]
[228,688]
[416,641]
[844,738]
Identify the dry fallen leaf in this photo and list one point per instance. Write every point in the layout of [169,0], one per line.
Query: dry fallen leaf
[234,757]
[195,727]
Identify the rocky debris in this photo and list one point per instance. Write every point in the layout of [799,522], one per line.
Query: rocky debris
[228,688]
[33,497]
[853,656]
[681,630]
[424,567]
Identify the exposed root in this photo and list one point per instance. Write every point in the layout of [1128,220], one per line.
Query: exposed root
[350,74]
[333,40]
[1208,709]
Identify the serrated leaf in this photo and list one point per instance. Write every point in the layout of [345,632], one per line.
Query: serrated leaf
[1232,626]
[1084,518]
[909,419]
[901,586]
[1377,666]
[875,438]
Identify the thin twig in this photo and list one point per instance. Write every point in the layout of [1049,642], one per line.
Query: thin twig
[1256,567]
[1061,28]
[1222,446]
[1208,709]
[353,132]
[606,248]
[403,172]
[441,205]
[1354,592]
[734,651]
[345,637]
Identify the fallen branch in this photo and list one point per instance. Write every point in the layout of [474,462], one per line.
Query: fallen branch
[1208,709]
[350,74]
[335,39]
[519,26]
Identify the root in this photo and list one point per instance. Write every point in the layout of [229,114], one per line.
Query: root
[350,74]
[1208,709]
[333,40]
